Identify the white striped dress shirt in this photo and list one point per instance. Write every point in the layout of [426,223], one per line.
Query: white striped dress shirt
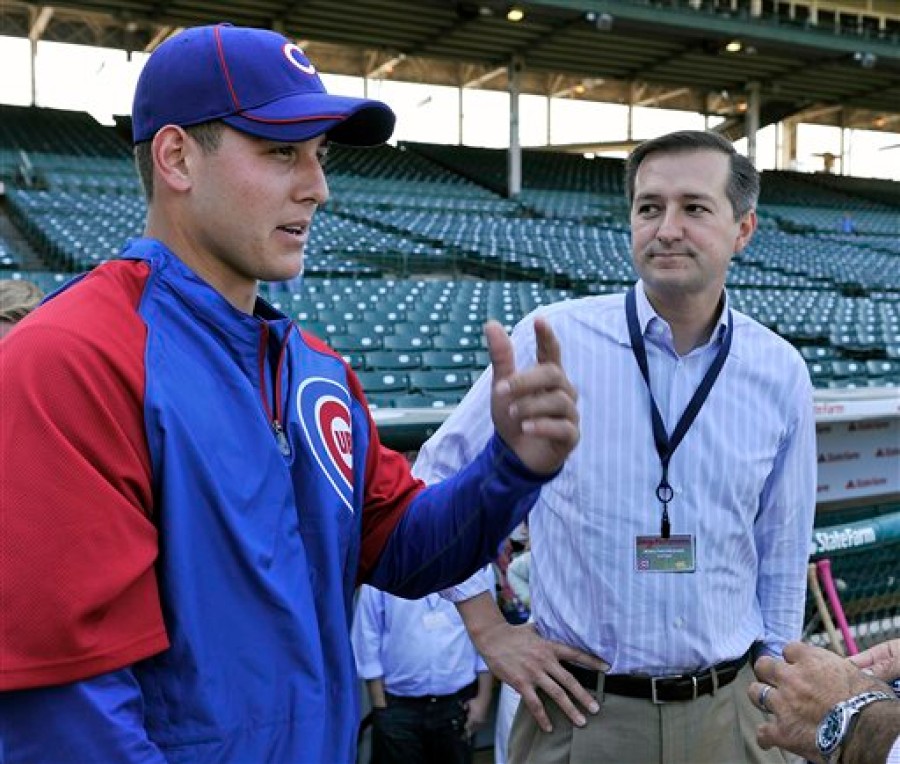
[894,753]
[744,479]
[418,647]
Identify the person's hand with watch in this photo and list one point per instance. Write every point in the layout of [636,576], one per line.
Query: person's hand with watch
[824,708]
[833,732]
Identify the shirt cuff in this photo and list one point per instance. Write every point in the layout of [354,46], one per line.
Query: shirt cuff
[482,581]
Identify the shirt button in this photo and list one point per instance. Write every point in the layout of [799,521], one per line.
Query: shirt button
[679,622]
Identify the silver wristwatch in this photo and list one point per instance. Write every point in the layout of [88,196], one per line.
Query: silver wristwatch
[835,727]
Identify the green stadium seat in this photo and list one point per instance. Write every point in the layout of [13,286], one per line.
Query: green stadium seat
[389,360]
[380,382]
[323,329]
[482,359]
[413,328]
[427,400]
[356,361]
[819,372]
[439,381]
[355,342]
[412,343]
[457,342]
[817,353]
[883,368]
[844,369]
[448,359]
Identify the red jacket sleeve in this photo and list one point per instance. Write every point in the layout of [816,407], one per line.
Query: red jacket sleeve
[78,593]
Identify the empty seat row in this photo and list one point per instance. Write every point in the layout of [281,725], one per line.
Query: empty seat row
[380,382]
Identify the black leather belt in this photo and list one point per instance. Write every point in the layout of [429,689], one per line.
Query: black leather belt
[661,689]
[466,693]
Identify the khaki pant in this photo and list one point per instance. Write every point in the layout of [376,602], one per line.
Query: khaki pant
[713,729]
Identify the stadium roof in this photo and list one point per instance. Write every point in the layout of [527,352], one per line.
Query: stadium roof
[668,53]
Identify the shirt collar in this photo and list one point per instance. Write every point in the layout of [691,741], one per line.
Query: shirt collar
[647,315]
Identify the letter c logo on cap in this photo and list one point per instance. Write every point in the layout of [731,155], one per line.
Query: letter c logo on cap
[294,53]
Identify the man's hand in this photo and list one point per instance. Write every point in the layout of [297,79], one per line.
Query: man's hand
[528,662]
[477,708]
[804,686]
[533,410]
[881,661]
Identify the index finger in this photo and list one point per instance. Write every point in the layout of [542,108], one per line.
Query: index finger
[548,349]
[765,668]
[500,350]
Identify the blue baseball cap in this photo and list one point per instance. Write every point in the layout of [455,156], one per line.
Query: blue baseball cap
[256,81]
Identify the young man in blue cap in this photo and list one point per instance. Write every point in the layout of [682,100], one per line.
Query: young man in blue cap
[193,485]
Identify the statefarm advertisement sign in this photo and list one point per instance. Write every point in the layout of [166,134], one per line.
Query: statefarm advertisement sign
[858,459]
[858,442]
[865,533]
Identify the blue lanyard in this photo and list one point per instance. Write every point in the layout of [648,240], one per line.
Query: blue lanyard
[666,446]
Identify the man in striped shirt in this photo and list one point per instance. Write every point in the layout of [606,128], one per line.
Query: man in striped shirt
[673,545]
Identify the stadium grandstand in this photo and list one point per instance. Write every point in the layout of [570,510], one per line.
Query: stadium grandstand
[421,242]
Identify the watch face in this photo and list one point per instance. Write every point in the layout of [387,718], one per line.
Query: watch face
[830,731]
[836,724]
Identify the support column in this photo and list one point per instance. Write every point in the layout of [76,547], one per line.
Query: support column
[549,118]
[845,164]
[514,163]
[460,119]
[632,97]
[751,119]
[33,72]
[788,144]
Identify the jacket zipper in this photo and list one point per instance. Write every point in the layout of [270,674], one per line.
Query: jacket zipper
[274,411]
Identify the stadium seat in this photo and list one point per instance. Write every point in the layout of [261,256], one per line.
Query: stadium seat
[380,382]
[356,361]
[388,360]
[457,342]
[847,369]
[413,328]
[819,372]
[354,342]
[883,368]
[448,359]
[323,329]
[427,400]
[434,381]
[368,327]
[817,353]
[408,343]
[482,359]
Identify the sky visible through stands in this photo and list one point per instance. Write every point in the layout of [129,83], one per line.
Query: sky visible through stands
[101,82]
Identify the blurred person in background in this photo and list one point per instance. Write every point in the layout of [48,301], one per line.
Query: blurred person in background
[429,688]
[18,297]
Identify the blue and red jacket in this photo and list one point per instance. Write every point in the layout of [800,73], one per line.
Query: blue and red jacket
[189,496]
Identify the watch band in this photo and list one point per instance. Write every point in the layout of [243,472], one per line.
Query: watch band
[835,727]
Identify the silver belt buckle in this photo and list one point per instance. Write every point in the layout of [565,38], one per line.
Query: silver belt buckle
[653,690]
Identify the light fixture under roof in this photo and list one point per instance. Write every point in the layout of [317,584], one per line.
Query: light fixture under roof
[515,13]
[734,46]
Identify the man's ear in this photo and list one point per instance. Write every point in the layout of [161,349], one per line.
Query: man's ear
[746,228]
[171,150]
